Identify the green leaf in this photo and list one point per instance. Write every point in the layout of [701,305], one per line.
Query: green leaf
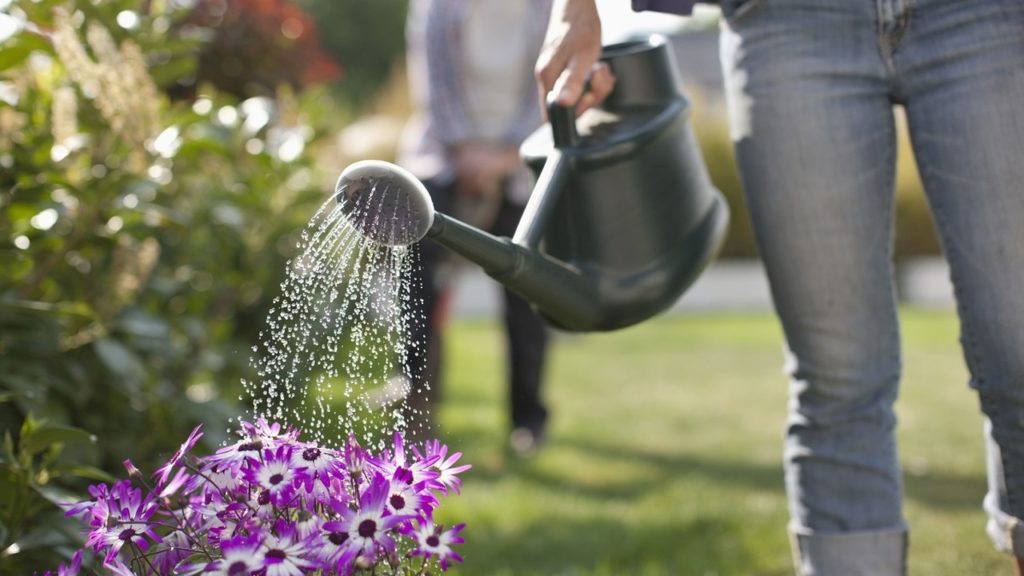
[19,47]
[46,435]
[29,425]
[46,308]
[10,481]
[45,535]
[143,325]
[126,369]
[40,11]
[9,448]
[56,494]
[20,387]
[175,68]
[87,472]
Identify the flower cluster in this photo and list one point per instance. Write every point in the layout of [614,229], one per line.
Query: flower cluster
[272,505]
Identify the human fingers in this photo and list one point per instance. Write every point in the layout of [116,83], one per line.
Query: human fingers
[550,64]
[572,44]
[599,86]
[569,87]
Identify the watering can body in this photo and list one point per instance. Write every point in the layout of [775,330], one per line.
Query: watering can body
[623,217]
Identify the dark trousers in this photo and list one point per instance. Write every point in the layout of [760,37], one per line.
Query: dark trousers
[526,333]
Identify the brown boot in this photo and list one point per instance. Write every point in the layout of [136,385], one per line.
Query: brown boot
[1020,566]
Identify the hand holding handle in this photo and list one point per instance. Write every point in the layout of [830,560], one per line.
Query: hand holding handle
[563,123]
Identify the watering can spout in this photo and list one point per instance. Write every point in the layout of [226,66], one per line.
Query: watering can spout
[390,206]
[564,296]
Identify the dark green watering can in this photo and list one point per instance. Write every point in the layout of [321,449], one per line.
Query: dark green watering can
[621,222]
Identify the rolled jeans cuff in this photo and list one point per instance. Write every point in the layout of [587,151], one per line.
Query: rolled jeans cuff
[1006,531]
[862,553]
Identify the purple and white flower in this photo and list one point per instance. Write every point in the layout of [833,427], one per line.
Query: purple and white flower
[315,463]
[285,553]
[274,506]
[273,474]
[119,517]
[434,540]
[164,472]
[447,472]
[242,555]
[369,528]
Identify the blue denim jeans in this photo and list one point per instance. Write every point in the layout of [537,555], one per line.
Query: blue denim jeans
[811,87]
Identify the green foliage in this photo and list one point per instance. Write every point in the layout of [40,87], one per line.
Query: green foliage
[141,245]
[255,46]
[33,473]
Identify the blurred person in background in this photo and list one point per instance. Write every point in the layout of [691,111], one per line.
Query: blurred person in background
[471,78]
[811,88]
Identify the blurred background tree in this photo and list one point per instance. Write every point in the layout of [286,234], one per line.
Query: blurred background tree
[368,38]
[252,47]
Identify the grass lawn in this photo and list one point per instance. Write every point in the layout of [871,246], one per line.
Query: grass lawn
[664,453]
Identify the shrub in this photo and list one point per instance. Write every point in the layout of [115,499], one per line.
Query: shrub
[141,244]
[368,37]
[254,46]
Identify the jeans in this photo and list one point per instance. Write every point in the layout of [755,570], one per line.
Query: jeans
[811,87]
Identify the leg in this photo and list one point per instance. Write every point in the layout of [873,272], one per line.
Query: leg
[527,339]
[423,355]
[814,134]
[963,68]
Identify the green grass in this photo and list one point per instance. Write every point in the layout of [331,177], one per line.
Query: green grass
[664,453]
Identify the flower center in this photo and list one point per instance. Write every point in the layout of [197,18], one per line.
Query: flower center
[276,554]
[239,568]
[310,454]
[433,541]
[264,498]
[276,479]
[404,474]
[367,528]
[126,534]
[338,538]
[397,502]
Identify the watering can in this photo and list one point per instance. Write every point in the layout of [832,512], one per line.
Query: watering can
[623,217]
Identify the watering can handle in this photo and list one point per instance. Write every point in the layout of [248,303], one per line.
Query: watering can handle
[552,179]
[563,123]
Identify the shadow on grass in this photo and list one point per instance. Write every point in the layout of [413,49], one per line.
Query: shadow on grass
[665,468]
[598,547]
[946,490]
[698,541]
[938,489]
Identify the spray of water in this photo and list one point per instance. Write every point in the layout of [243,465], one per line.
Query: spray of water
[334,358]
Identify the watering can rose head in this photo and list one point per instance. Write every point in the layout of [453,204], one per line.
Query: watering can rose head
[273,503]
[385,202]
